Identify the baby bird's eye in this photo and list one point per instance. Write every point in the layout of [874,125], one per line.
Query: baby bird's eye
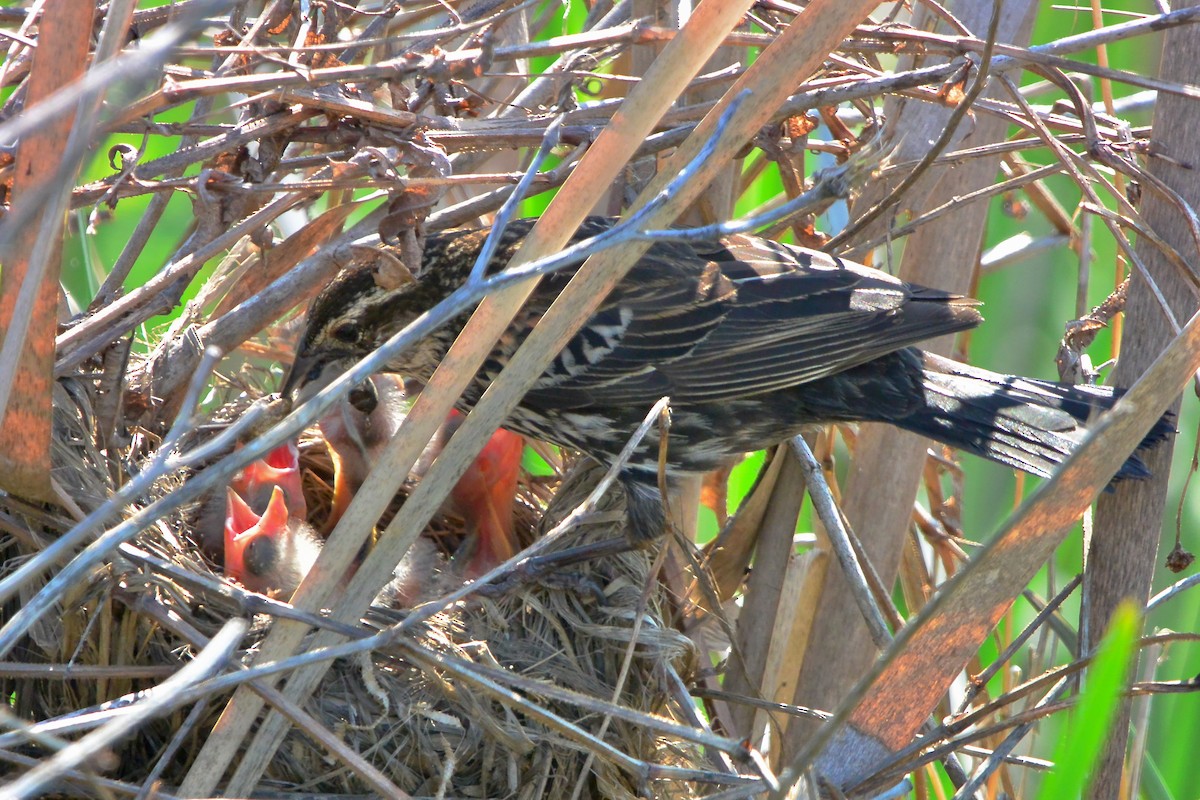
[346,333]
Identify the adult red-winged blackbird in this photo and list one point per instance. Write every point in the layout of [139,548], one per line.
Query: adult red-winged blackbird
[751,339]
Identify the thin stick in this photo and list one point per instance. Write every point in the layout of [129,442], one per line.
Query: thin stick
[154,703]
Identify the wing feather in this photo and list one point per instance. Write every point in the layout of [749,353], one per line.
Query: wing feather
[720,321]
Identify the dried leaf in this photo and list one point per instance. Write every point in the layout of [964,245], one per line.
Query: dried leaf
[1179,559]
[800,126]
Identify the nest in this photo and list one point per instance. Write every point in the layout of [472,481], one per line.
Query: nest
[412,709]
[438,733]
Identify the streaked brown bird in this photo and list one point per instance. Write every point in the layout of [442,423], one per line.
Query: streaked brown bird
[751,339]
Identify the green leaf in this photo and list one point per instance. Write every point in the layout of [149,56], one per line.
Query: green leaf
[1078,751]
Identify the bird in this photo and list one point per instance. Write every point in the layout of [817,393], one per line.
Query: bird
[356,433]
[279,467]
[254,485]
[485,495]
[752,340]
[271,553]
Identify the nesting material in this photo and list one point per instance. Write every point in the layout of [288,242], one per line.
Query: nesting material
[441,732]
[413,711]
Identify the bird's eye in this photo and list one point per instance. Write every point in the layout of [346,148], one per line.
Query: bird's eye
[346,332]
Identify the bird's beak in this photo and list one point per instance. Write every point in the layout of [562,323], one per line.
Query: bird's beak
[243,525]
[365,397]
[310,375]
[307,377]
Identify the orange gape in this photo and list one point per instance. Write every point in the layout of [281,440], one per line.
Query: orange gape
[280,467]
[485,495]
[270,553]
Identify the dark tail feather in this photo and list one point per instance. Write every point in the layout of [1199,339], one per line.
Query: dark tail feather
[1024,423]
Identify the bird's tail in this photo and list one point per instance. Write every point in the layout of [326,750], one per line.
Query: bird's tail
[1027,424]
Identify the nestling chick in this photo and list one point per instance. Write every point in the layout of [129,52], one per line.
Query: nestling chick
[484,496]
[356,433]
[278,468]
[272,553]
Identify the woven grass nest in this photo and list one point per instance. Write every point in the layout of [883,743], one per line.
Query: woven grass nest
[427,727]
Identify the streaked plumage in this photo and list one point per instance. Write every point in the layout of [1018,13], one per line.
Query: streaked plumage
[751,339]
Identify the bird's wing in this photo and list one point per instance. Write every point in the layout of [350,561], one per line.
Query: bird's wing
[710,323]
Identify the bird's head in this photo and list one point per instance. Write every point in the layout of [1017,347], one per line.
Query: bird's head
[359,311]
[270,553]
[366,305]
